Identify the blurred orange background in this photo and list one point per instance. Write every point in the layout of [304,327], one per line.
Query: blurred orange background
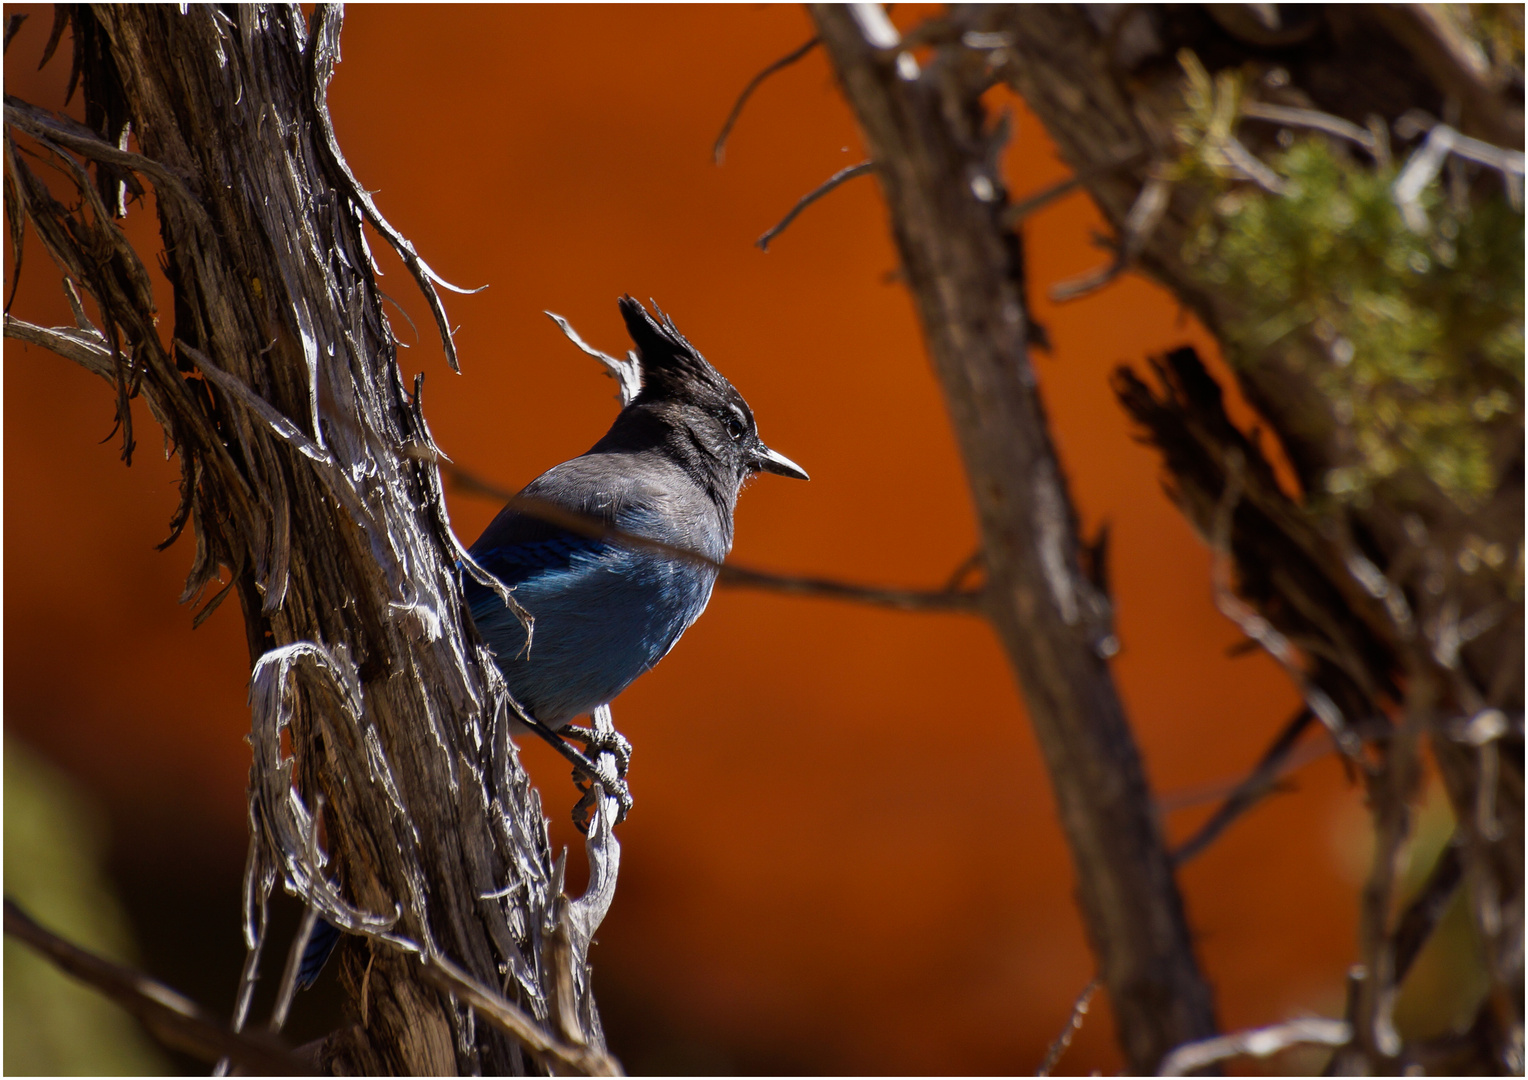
[843,856]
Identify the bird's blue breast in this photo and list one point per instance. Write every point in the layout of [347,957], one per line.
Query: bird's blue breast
[604,614]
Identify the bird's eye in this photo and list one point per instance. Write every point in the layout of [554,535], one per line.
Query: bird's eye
[735,425]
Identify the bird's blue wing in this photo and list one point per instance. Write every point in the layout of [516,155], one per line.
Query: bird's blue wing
[516,562]
[519,561]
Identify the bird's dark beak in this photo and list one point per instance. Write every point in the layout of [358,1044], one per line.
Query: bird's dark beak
[768,460]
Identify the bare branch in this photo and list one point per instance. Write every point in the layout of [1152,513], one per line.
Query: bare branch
[1259,783]
[965,602]
[1142,221]
[1219,790]
[1251,166]
[173,1018]
[287,988]
[41,124]
[1259,1043]
[299,458]
[1031,204]
[1390,794]
[1458,65]
[504,1015]
[841,176]
[89,351]
[11,26]
[967,566]
[1423,167]
[583,916]
[1422,915]
[718,149]
[1074,1021]
[324,51]
[1316,121]
[926,128]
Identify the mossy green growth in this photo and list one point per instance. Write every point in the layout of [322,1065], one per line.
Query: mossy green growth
[1418,337]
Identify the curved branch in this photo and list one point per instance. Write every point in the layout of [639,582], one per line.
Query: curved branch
[175,1019]
[840,177]
[718,148]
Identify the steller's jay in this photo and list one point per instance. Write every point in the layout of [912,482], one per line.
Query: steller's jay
[669,469]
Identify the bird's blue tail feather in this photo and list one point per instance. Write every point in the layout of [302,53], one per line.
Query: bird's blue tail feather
[321,945]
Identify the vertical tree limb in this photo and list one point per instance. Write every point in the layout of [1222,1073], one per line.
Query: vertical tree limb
[385,790]
[924,131]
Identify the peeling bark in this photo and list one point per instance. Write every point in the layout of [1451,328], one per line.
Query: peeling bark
[385,791]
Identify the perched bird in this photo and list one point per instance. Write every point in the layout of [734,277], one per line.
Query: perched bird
[669,469]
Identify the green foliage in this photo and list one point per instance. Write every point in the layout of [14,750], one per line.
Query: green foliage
[1498,30]
[1418,336]
[54,1025]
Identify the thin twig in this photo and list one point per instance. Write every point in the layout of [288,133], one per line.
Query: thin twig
[1259,783]
[840,177]
[1217,790]
[1031,204]
[63,130]
[969,602]
[515,1022]
[11,26]
[1251,166]
[561,1006]
[582,917]
[1259,1043]
[1145,214]
[1316,121]
[173,1018]
[973,561]
[325,50]
[718,149]
[1390,794]
[287,988]
[1424,912]
[86,350]
[1424,164]
[1062,1041]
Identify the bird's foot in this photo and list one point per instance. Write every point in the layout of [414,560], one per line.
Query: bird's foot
[583,810]
[601,742]
[591,769]
[597,744]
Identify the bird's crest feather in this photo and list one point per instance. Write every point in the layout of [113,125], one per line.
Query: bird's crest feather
[669,362]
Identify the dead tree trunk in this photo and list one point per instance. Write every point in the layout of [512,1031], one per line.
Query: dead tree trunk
[935,161]
[385,791]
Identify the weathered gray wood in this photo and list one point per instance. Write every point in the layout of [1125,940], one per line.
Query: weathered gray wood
[385,789]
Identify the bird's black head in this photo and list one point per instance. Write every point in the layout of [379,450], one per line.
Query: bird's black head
[711,427]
